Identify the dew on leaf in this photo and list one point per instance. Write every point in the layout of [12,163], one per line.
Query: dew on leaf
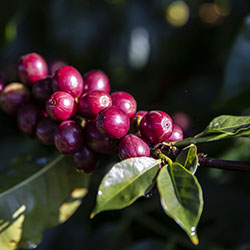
[31,245]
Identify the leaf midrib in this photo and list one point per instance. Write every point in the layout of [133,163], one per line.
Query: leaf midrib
[125,186]
[184,208]
[32,177]
[174,183]
[229,127]
[188,155]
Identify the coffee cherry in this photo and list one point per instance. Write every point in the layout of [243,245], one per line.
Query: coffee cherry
[69,80]
[91,103]
[132,146]
[124,101]
[177,134]
[3,82]
[45,131]
[61,106]
[28,117]
[184,121]
[68,137]
[136,119]
[13,96]
[96,80]
[97,142]
[42,90]
[32,68]
[112,122]
[54,65]
[86,160]
[156,126]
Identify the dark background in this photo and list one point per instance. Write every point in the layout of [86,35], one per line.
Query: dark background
[190,59]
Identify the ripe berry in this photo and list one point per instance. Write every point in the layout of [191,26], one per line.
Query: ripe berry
[3,82]
[13,96]
[45,131]
[177,134]
[132,146]
[32,68]
[112,122]
[68,137]
[69,80]
[124,101]
[183,120]
[96,80]
[156,126]
[54,65]
[97,142]
[91,103]
[28,117]
[86,160]
[61,106]
[136,119]
[42,89]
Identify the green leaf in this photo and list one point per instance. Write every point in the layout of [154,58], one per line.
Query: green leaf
[35,194]
[188,158]
[181,197]
[125,182]
[221,127]
[228,124]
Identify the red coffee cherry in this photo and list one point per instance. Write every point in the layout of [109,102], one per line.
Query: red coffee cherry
[61,106]
[54,65]
[68,79]
[42,89]
[32,68]
[91,103]
[13,96]
[124,101]
[183,120]
[177,134]
[68,137]
[96,80]
[132,146]
[45,131]
[3,82]
[112,122]
[97,142]
[136,119]
[86,160]
[156,126]
[28,117]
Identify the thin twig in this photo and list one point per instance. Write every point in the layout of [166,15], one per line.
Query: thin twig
[223,164]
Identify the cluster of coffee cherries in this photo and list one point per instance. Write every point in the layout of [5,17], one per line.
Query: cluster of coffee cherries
[79,116]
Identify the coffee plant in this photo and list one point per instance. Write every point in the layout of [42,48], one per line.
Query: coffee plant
[80,120]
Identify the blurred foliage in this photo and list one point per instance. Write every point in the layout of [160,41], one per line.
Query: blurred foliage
[39,186]
[190,57]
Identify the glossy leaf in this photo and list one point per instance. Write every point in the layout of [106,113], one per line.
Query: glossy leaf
[125,182]
[228,124]
[188,158]
[35,194]
[221,127]
[181,197]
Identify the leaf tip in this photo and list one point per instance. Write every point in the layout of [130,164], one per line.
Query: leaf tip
[92,215]
[195,240]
